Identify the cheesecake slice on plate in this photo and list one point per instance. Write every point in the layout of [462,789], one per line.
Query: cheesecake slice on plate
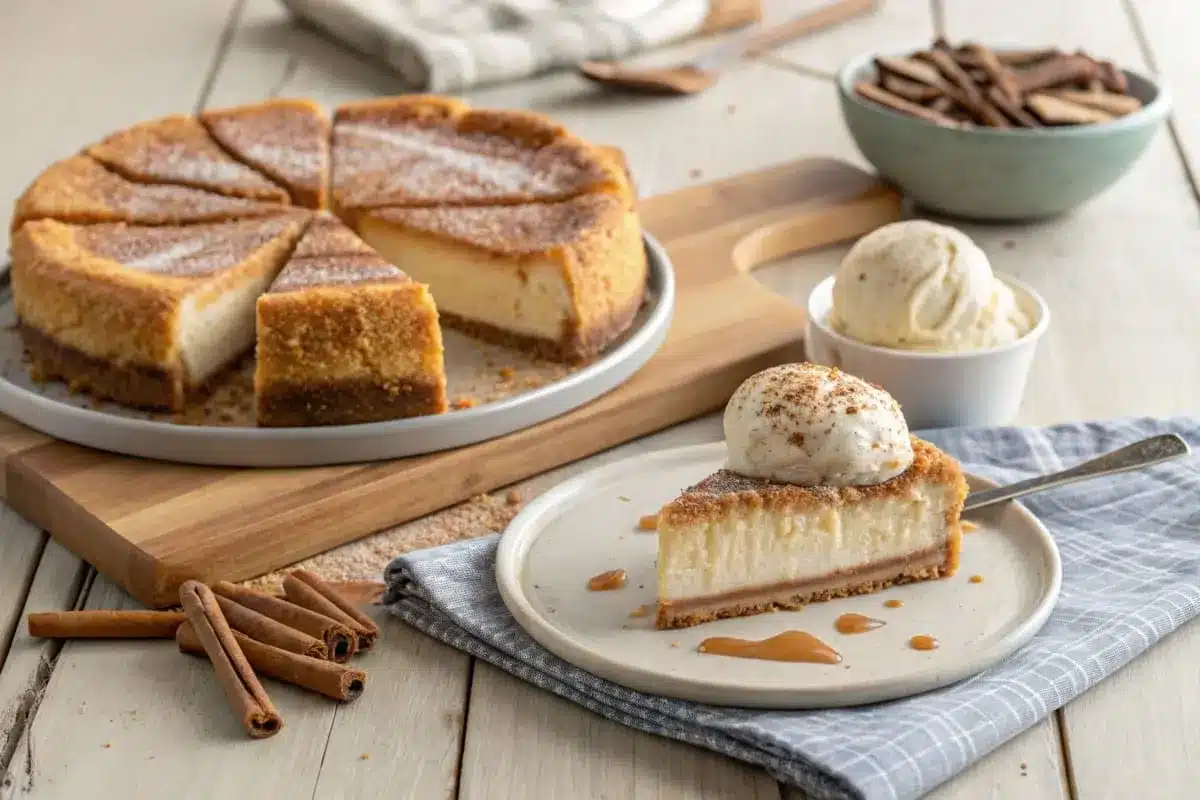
[287,140]
[146,316]
[826,495]
[344,337]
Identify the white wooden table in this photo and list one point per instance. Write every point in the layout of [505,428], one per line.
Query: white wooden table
[134,720]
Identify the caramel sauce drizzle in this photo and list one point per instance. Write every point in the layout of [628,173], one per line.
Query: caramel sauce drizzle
[857,623]
[793,646]
[607,581]
[923,643]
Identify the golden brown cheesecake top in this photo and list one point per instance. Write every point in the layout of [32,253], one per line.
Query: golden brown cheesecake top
[78,189]
[725,491]
[190,251]
[329,254]
[287,139]
[178,150]
[421,151]
[513,230]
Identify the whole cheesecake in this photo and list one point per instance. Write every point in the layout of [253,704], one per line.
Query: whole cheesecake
[146,265]
[826,495]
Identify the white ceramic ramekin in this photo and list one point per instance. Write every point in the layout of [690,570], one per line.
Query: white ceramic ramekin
[935,390]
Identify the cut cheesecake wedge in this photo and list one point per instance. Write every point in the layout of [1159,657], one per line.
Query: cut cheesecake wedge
[178,150]
[80,190]
[561,279]
[733,546]
[288,140]
[143,315]
[424,150]
[345,337]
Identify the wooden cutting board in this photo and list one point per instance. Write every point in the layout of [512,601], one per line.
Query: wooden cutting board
[150,525]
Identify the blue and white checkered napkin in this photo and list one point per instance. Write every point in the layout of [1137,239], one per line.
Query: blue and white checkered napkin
[1131,574]
[452,45]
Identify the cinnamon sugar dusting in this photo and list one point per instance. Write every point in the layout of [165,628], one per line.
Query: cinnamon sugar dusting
[512,230]
[366,558]
[330,255]
[184,251]
[179,150]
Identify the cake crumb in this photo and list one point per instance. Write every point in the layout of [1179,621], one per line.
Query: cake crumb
[695,172]
[535,381]
[364,756]
[507,373]
[623,498]
[648,523]
[674,644]
[108,745]
[464,401]
[968,526]
[730,109]
[366,559]
[513,497]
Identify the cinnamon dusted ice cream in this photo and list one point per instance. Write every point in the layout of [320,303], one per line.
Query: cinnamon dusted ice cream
[811,425]
[825,495]
[918,285]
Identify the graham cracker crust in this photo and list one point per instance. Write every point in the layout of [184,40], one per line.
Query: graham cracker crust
[939,562]
[347,402]
[573,347]
[135,385]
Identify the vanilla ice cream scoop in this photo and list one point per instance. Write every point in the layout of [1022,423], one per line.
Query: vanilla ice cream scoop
[815,426]
[917,285]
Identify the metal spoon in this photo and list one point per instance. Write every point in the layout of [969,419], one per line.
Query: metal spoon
[1154,450]
[701,73]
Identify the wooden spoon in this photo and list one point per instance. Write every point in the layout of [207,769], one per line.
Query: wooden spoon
[702,73]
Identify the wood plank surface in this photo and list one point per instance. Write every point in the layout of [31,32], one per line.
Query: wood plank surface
[20,550]
[893,24]
[27,668]
[523,742]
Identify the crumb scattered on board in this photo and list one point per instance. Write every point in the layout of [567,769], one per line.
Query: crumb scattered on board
[366,558]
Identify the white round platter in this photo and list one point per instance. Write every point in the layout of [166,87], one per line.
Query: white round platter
[51,410]
[588,525]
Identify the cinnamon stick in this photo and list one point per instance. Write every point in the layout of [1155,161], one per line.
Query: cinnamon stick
[886,98]
[315,674]
[104,624]
[246,695]
[263,629]
[910,90]
[338,638]
[306,589]
[1057,71]
[999,74]
[973,99]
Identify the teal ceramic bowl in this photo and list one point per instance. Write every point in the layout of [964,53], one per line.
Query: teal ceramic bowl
[988,174]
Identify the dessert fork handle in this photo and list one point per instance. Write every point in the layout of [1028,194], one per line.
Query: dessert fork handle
[1154,450]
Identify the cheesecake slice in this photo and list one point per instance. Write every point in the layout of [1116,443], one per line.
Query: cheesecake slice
[427,151]
[561,279]
[732,546]
[80,190]
[344,337]
[178,150]
[145,316]
[824,494]
[287,140]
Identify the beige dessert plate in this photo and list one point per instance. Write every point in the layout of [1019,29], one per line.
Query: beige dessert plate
[588,525]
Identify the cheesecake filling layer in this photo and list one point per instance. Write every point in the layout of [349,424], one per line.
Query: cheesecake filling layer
[213,334]
[760,549]
[529,299]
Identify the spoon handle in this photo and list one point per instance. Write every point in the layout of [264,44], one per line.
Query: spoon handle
[759,39]
[1154,450]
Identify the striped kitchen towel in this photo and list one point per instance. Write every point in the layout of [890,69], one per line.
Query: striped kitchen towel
[1130,547]
[452,45]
